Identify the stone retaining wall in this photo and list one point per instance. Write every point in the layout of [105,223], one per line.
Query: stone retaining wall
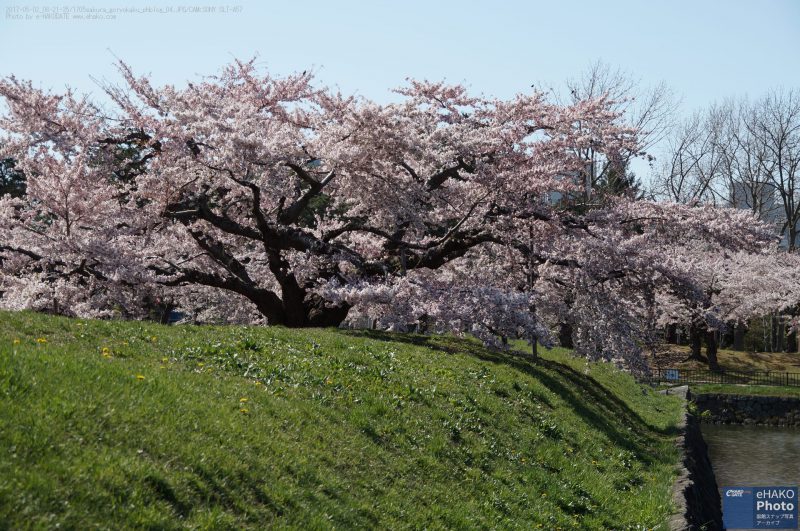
[740,409]
[695,492]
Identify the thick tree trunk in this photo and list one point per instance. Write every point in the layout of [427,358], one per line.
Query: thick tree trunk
[310,313]
[318,313]
[292,295]
[726,339]
[299,308]
[424,323]
[711,351]
[166,311]
[565,335]
[696,343]
[671,334]
[302,311]
[294,308]
[271,308]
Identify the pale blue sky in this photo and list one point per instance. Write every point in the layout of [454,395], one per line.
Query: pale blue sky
[705,50]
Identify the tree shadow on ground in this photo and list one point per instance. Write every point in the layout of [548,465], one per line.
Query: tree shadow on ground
[592,401]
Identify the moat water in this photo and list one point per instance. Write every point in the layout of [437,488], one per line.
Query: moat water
[753,456]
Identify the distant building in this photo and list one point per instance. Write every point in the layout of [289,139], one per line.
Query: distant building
[764,200]
[761,198]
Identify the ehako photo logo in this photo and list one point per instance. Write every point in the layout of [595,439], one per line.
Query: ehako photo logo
[759,507]
[776,500]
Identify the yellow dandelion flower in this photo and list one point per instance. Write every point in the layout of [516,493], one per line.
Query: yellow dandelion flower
[164,360]
[41,340]
[259,383]
[244,410]
[16,341]
[243,400]
[140,377]
[106,350]
[200,364]
[154,339]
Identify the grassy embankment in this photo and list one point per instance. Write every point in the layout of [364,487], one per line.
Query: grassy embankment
[127,424]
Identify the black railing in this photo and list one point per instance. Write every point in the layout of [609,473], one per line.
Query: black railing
[679,376]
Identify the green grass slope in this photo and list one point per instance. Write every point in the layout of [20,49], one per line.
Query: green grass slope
[135,425]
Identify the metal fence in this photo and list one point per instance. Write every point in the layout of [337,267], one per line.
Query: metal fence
[791,379]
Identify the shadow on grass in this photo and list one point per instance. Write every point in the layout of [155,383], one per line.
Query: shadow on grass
[598,406]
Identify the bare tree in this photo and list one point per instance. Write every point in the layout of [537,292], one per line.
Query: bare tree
[677,179]
[697,155]
[741,154]
[648,109]
[774,124]
[748,184]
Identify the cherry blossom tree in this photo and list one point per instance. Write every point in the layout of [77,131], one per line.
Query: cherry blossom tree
[265,186]
[735,288]
[248,197]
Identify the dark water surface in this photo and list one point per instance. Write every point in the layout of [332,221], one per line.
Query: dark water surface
[753,456]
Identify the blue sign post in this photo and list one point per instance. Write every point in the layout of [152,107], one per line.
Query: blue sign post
[759,507]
